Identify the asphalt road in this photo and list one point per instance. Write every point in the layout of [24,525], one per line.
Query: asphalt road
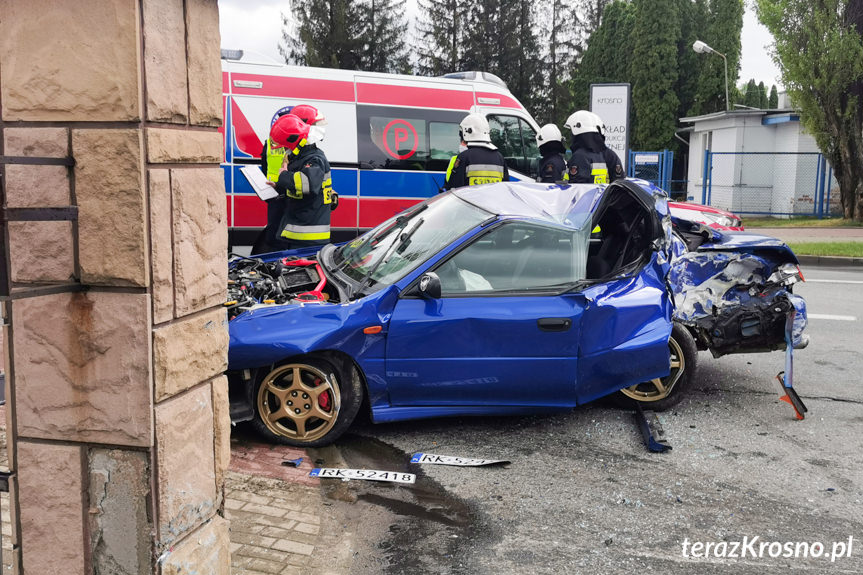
[583,495]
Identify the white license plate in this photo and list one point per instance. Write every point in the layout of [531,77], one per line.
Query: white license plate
[450,460]
[369,474]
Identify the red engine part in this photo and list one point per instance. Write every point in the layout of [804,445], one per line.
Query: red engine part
[316,294]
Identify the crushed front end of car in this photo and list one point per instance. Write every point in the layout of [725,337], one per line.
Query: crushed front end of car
[735,291]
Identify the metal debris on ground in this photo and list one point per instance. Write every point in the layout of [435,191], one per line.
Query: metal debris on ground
[451,460]
[651,430]
[368,474]
[293,462]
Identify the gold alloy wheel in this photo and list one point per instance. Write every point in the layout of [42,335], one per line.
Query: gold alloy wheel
[660,388]
[299,401]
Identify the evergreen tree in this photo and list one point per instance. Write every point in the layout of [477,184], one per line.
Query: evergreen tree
[724,23]
[562,29]
[654,73]
[380,32]
[693,14]
[773,101]
[605,61]
[503,41]
[752,98]
[594,12]
[762,96]
[322,34]
[442,32]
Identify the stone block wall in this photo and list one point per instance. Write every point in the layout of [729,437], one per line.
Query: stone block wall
[114,271]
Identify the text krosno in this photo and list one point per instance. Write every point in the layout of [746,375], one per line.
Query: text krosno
[753,547]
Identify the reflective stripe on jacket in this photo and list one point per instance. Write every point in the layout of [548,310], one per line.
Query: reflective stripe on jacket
[307,184]
[477,165]
[483,174]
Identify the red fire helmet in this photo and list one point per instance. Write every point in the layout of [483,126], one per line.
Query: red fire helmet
[290,132]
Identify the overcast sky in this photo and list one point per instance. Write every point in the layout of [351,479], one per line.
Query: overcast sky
[256,25]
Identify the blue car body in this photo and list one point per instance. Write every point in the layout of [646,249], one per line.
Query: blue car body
[505,351]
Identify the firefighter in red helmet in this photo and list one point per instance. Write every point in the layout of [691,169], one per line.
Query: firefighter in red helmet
[272,159]
[306,183]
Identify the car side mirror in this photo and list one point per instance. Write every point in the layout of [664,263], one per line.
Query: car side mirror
[429,285]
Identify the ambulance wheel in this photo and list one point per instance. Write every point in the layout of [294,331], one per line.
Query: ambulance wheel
[664,392]
[307,402]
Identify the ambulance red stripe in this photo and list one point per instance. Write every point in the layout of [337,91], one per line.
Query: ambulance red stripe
[414,96]
[294,88]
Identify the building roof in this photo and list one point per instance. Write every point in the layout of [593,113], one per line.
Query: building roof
[738,113]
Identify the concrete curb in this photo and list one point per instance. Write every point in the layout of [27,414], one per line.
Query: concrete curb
[830,261]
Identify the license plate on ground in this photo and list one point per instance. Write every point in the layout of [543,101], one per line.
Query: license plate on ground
[368,474]
[451,460]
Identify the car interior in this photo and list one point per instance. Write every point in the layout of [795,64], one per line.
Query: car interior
[623,233]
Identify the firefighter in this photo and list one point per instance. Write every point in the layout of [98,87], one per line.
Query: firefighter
[592,161]
[272,157]
[306,183]
[481,163]
[314,118]
[552,166]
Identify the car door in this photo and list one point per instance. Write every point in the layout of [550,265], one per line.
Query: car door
[502,334]
[627,319]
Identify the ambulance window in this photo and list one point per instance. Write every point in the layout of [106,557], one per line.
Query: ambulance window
[516,141]
[444,140]
[397,143]
[528,136]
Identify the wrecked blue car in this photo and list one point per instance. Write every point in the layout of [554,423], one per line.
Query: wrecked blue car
[508,298]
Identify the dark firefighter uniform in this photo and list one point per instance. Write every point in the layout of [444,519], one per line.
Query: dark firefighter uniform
[308,187]
[594,166]
[476,165]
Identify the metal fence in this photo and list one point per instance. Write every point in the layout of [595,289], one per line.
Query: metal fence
[770,183]
[655,167]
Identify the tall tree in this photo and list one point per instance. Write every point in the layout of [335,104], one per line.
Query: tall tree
[773,100]
[751,100]
[693,14]
[724,24]
[321,34]
[503,41]
[442,33]
[594,11]
[819,50]
[563,29]
[762,96]
[380,34]
[604,60]
[654,72]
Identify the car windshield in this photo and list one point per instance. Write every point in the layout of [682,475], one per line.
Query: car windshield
[390,251]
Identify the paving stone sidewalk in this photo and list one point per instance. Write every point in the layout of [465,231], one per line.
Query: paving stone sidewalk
[280,523]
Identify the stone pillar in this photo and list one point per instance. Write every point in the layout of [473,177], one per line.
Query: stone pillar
[112,272]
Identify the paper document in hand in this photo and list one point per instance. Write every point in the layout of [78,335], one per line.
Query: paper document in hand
[259,182]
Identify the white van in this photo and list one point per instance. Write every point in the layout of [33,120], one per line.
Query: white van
[389,137]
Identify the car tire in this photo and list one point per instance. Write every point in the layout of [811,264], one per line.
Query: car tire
[665,392]
[306,402]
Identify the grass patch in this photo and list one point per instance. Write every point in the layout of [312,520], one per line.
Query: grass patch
[846,249]
[798,222]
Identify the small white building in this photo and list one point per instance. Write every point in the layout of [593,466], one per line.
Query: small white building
[761,162]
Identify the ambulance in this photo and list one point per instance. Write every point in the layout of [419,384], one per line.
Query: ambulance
[389,137]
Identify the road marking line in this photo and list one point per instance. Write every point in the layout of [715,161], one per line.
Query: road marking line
[828,316]
[833,281]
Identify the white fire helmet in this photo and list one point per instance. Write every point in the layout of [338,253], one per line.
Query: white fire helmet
[582,122]
[548,133]
[474,128]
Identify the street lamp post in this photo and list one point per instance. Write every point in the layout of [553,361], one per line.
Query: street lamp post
[703,48]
